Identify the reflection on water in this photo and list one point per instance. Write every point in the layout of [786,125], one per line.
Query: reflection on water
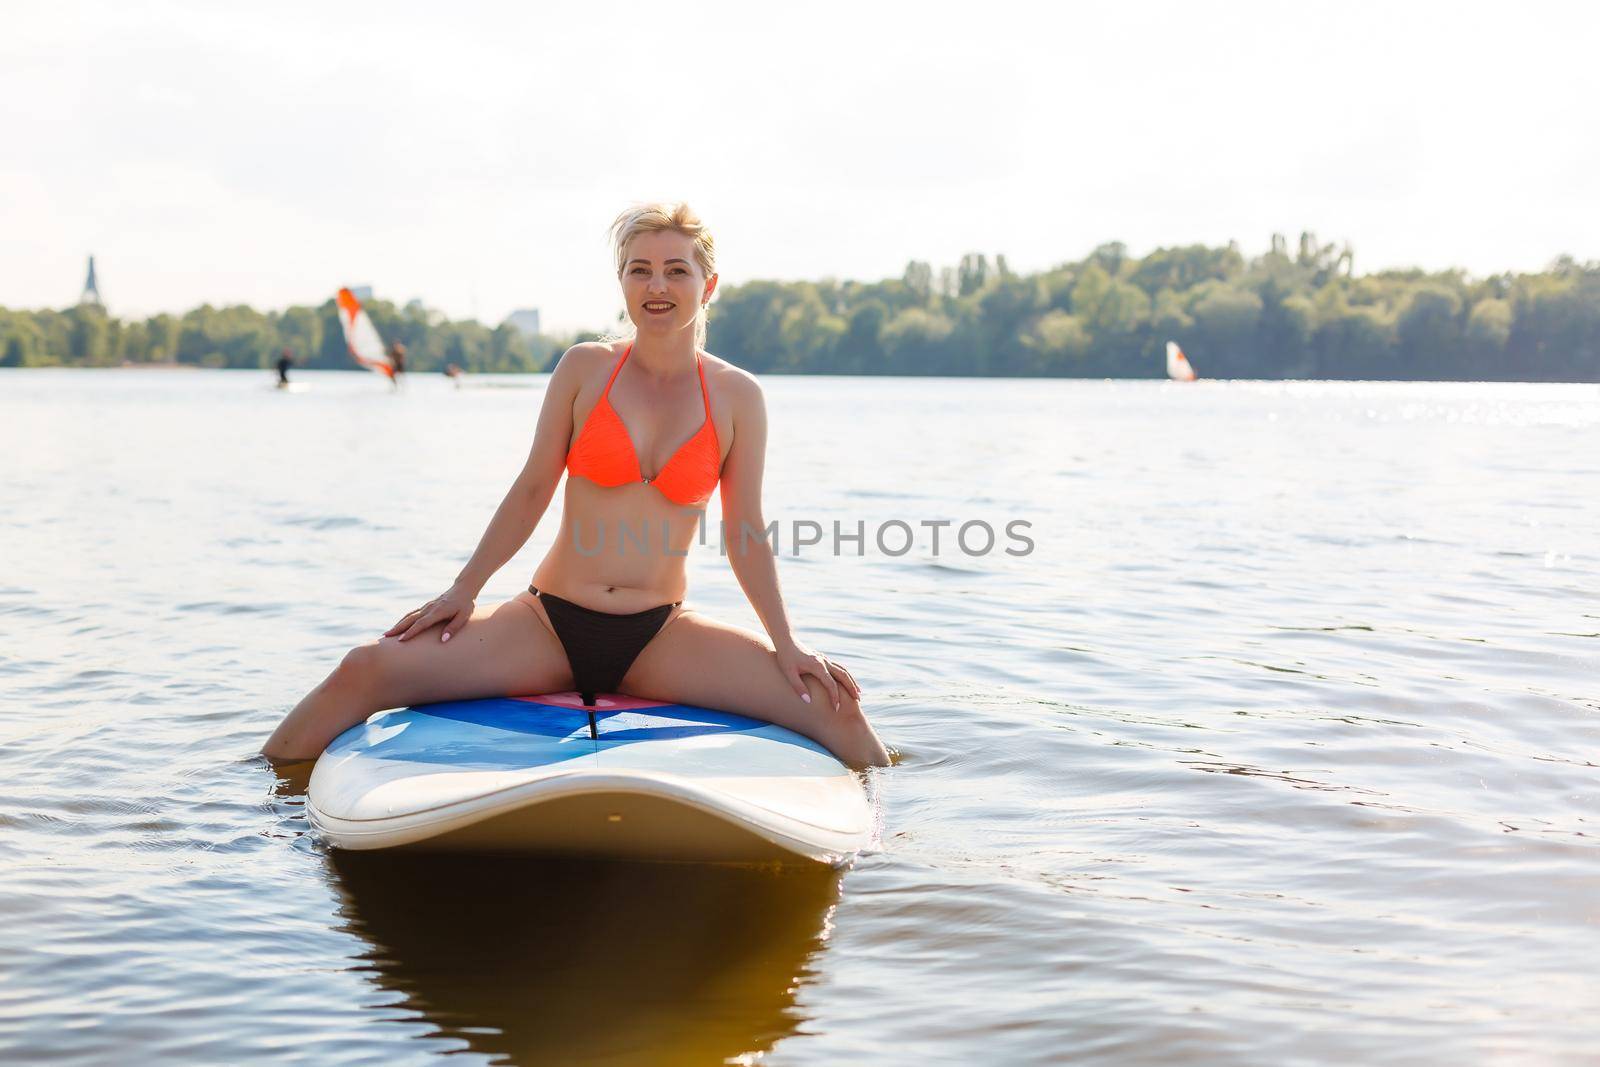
[558,961]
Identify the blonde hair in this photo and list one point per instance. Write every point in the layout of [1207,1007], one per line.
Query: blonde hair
[654,218]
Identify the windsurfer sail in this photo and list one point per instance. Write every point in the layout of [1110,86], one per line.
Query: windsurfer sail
[1178,368]
[361,336]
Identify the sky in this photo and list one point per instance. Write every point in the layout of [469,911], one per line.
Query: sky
[472,155]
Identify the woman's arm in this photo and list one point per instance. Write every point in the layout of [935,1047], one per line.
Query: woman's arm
[524,504]
[749,551]
[743,527]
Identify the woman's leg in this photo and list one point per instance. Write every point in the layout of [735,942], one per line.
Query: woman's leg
[697,660]
[501,651]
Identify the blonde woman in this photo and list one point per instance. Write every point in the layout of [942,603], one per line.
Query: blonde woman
[645,427]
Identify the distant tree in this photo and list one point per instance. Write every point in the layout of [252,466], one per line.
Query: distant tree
[1225,322]
[1429,331]
[1283,345]
[1489,325]
[133,343]
[1110,257]
[1487,331]
[21,340]
[997,325]
[861,347]
[1123,309]
[917,342]
[88,335]
[1089,292]
[300,329]
[1555,330]
[1183,268]
[972,274]
[1168,319]
[919,280]
[1058,286]
[809,333]
[1058,341]
[1354,342]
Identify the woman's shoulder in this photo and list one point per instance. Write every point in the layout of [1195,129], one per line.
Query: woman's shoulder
[584,360]
[737,391]
[734,380]
[592,352]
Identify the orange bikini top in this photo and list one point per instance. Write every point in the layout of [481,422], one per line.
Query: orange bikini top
[603,450]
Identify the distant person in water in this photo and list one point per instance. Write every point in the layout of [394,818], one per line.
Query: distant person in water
[397,356]
[453,372]
[285,361]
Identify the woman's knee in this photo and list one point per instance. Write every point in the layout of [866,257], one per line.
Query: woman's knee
[848,716]
[848,733]
[362,666]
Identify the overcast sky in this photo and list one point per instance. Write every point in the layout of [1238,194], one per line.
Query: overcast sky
[472,155]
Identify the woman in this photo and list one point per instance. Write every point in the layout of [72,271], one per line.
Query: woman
[605,609]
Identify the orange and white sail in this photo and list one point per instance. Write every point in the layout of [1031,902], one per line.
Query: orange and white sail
[361,336]
[1178,368]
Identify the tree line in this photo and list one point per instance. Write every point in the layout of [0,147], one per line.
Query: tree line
[1298,312]
[1289,313]
[240,336]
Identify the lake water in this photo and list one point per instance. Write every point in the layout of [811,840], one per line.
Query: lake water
[1279,746]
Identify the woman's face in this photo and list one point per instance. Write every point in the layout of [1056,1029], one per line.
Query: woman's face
[662,283]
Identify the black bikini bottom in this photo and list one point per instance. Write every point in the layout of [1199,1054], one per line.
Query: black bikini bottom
[601,646]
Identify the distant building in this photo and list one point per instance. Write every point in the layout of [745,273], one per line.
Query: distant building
[91,288]
[525,320]
[418,310]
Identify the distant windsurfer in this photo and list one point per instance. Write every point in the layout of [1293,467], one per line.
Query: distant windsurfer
[397,360]
[285,361]
[1179,369]
[361,337]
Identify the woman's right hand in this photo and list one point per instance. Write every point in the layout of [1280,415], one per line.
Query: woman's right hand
[453,607]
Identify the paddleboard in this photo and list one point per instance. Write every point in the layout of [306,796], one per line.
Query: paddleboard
[637,779]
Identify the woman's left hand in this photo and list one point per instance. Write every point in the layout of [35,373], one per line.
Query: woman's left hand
[794,659]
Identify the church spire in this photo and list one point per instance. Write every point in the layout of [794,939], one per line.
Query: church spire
[91,288]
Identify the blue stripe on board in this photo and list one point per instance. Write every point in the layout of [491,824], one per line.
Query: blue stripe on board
[557,720]
[553,720]
[677,721]
[667,722]
[515,716]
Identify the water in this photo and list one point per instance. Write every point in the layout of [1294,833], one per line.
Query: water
[1279,747]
